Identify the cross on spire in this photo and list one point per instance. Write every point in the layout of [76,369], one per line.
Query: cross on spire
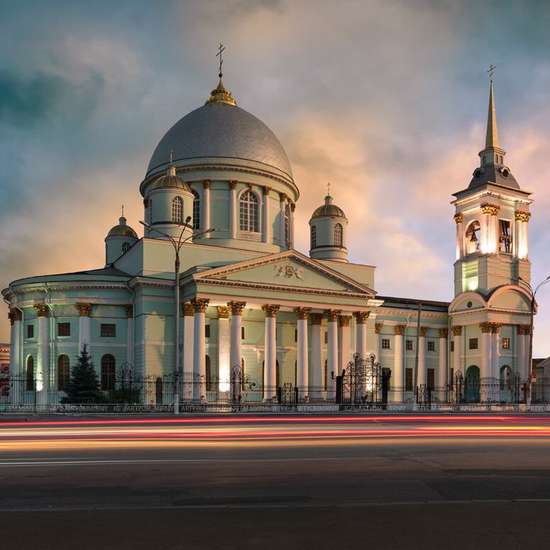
[171,156]
[122,211]
[491,71]
[221,49]
[328,188]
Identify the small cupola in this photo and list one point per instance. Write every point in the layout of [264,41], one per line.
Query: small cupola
[328,227]
[168,203]
[119,240]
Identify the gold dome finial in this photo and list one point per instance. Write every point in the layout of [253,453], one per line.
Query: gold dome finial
[220,94]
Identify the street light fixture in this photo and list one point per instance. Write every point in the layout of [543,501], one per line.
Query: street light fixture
[177,244]
[533,294]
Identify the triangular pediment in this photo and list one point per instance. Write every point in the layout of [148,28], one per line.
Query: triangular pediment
[289,269]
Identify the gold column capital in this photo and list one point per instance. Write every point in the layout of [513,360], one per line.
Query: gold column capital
[206,184]
[42,310]
[361,317]
[84,310]
[332,314]
[485,327]
[490,209]
[443,332]
[315,318]
[302,312]
[522,216]
[129,311]
[223,312]
[459,218]
[271,310]
[233,184]
[200,304]
[495,327]
[236,307]
[457,330]
[187,309]
[343,320]
[378,327]
[399,329]
[423,331]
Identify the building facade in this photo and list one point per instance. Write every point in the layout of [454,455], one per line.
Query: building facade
[250,317]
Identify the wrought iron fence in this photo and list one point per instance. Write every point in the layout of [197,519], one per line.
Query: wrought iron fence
[363,385]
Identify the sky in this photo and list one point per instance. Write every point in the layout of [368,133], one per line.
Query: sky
[386,99]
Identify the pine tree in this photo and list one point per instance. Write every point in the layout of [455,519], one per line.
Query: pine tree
[83,386]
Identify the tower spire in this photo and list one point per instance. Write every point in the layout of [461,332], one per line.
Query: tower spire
[492,131]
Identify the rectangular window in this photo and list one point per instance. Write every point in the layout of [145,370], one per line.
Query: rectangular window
[326,337]
[409,345]
[452,346]
[295,334]
[242,333]
[506,343]
[385,343]
[451,378]
[207,331]
[63,329]
[472,343]
[108,330]
[431,345]
[30,331]
[408,379]
[431,379]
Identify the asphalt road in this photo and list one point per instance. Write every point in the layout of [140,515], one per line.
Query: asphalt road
[292,483]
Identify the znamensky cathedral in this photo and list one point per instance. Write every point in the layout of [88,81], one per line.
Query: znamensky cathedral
[253,305]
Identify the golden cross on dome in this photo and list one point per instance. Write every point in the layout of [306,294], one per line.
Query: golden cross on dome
[221,49]
[171,156]
[491,71]
[328,188]
[122,209]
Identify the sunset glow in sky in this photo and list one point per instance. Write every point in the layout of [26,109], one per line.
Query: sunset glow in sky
[385,99]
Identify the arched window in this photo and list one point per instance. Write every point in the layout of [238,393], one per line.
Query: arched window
[177,210]
[30,373]
[107,372]
[63,372]
[196,210]
[338,235]
[125,247]
[248,209]
[208,373]
[287,225]
[472,237]
[313,233]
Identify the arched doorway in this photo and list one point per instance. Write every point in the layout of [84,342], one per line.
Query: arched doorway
[471,385]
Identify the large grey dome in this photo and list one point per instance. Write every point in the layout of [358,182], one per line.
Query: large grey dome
[220,130]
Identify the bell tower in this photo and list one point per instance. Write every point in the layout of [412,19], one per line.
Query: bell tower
[491,217]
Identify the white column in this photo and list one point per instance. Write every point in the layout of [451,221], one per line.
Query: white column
[459,219]
[344,348]
[485,362]
[188,358]
[361,334]
[397,375]
[233,209]
[270,352]
[457,346]
[16,374]
[441,378]
[84,328]
[130,337]
[266,220]
[206,207]
[421,379]
[199,351]
[317,382]
[43,363]
[224,367]
[235,363]
[302,362]
[332,352]
[282,205]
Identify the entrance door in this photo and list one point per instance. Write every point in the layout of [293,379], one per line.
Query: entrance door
[471,385]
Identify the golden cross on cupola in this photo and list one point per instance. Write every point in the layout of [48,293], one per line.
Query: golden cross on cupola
[221,49]
[491,71]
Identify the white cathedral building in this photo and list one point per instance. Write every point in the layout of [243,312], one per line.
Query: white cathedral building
[255,309]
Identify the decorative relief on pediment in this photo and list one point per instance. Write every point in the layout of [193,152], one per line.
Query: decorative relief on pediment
[289,271]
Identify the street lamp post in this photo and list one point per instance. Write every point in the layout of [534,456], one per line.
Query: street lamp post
[533,294]
[177,244]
